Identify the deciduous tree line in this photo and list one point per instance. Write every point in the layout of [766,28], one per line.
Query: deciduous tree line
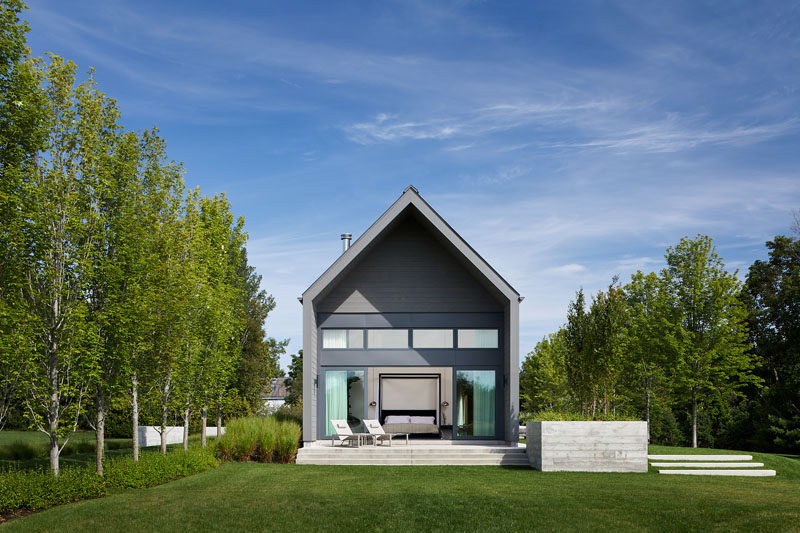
[701,356]
[117,286]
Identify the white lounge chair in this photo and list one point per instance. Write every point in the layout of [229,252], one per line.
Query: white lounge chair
[379,435]
[344,434]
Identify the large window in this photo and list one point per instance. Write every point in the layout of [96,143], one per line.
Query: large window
[475,403]
[387,338]
[432,338]
[345,399]
[477,338]
[342,338]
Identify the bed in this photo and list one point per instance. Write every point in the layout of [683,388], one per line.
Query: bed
[411,422]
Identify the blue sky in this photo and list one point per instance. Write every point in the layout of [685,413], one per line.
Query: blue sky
[566,141]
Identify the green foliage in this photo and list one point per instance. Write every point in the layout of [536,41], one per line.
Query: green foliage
[772,295]
[542,379]
[709,330]
[39,489]
[259,439]
[33,490]
[294,381]
[291,413]
[551,415]
[155,468]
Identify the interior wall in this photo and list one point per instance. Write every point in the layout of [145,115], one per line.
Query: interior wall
[446,391]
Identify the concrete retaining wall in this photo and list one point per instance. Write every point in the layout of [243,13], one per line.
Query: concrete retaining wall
[149,435]
[211,431]
[587,446]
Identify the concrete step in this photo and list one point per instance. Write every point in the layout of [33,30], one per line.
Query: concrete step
[413,455]
[415,461]
[715,457]
[397,450]
[709,465]
[704,472]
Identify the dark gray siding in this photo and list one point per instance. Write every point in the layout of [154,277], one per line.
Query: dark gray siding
[408,271]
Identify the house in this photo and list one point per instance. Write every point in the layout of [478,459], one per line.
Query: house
[411,322]
[276,395]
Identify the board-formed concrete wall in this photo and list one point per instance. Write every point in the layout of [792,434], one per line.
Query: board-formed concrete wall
[149,435]
[587,446]
[211,431]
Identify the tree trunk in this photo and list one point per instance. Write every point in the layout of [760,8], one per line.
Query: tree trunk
[135,415]
[186,413]
[164,415]
[219,421]
[100,430]
[647,406]
[54,451]
[694,419]
[203,420]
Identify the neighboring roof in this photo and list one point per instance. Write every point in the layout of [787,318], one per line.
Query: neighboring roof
[277,390]
[410,199]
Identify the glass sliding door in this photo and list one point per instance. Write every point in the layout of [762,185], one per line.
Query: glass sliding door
[476,397]
[345,398]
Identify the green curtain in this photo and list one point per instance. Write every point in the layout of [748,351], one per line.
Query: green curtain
[335,398]
[483,386]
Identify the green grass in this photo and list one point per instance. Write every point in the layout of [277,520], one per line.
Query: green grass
[270,497]
[79,451]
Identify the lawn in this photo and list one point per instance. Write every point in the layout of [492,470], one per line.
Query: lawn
[266,497]
[79,451]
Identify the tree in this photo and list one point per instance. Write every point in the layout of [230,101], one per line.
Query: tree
[543,380]
[60,239]
[580,378]
[22,135]
[604,349]
[259,358]
[646,340]
[709,333]
[294,381]
[772,292]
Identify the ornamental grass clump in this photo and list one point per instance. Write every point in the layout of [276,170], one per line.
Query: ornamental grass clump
[259,439]
[288,441]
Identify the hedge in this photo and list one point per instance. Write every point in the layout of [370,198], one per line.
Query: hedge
[39,489]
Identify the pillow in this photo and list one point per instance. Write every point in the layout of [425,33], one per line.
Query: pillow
[397,419]
[422,420]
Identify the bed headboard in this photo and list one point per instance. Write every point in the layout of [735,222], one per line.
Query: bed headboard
[409,412]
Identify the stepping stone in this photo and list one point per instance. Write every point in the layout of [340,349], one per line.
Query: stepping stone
[700,472]
[710,465]
[700,457]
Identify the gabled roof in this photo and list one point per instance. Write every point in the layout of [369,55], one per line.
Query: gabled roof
[409,200]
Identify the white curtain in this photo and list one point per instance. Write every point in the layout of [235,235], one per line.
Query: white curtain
[484,403]
[335,398]
[334,338]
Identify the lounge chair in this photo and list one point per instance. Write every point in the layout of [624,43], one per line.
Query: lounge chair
[344,434]
[379,435]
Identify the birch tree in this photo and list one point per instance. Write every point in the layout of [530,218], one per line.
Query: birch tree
[59,243]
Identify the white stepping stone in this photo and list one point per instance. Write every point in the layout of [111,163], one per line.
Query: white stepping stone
[710,465]
[701,472]
[700,457]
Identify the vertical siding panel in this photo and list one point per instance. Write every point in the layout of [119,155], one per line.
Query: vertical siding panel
[409,271]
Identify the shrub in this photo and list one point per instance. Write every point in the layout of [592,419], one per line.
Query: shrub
[155,468]
[39,489]
[290,413]
[261,439]
[569,416]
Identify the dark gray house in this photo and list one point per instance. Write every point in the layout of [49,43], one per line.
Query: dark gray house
[412,327]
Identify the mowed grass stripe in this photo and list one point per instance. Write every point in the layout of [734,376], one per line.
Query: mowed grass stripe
[258,497]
